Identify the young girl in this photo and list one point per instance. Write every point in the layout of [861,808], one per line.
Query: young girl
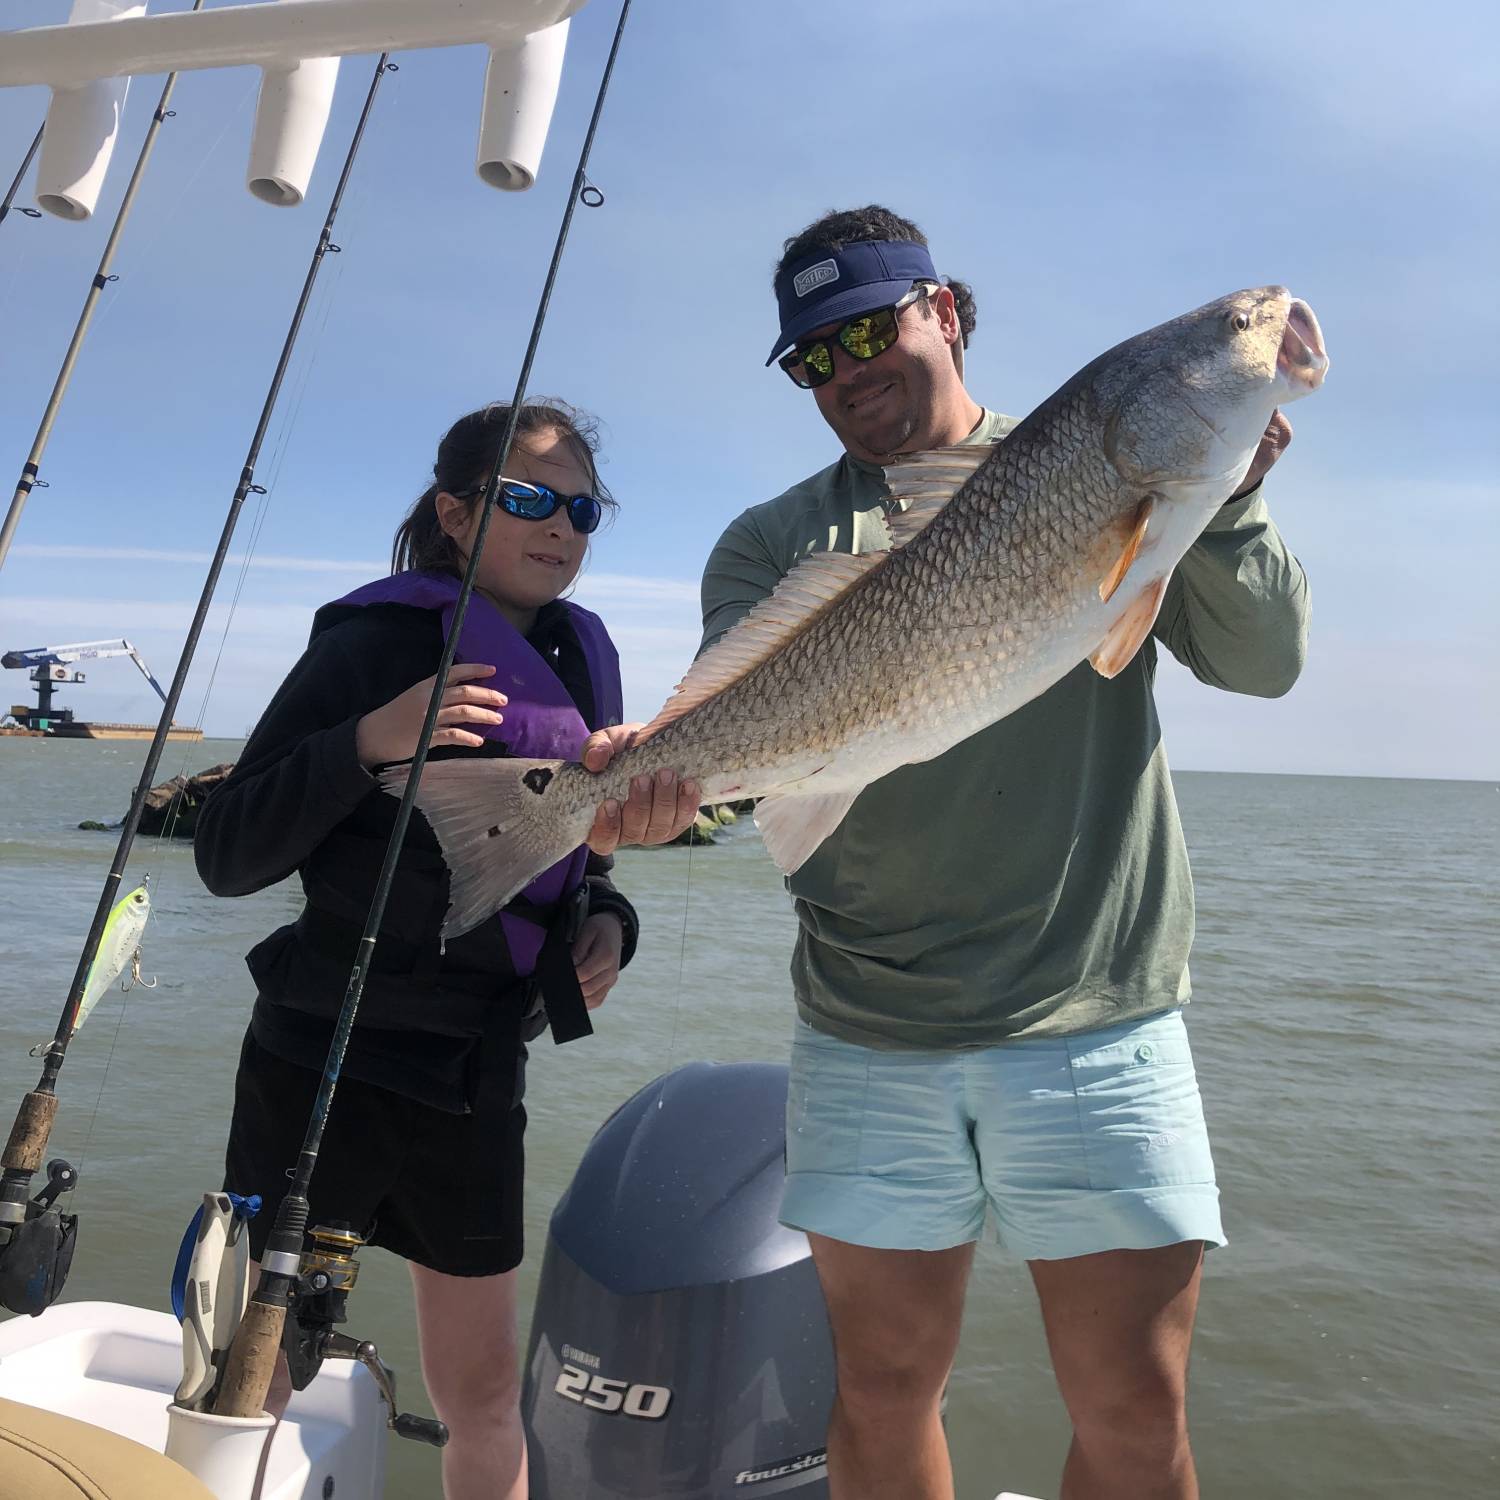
[423,1148]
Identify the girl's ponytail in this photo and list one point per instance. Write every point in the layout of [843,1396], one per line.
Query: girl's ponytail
[421,544]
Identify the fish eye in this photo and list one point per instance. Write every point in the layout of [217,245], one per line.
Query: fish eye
[1240,322]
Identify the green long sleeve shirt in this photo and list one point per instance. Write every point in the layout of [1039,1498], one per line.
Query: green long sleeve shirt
[1032,881]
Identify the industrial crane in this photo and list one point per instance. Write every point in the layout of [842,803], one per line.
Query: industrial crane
[52,665]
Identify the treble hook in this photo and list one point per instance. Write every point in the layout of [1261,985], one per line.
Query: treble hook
[135,975]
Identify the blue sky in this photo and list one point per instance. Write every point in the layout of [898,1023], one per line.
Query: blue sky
[1090,169]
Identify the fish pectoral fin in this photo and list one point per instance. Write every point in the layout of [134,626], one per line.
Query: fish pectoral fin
[793,824]
[1115,652]
[1116,574]
[812,587]
[924,483]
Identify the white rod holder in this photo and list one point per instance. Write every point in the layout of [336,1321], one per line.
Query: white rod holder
[520,91]
[223,1452]
[289,123]
[83,121]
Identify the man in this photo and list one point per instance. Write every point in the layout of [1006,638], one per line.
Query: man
[992,952]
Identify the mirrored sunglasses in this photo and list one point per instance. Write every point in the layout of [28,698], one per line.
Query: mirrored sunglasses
[535,502]
[810,363]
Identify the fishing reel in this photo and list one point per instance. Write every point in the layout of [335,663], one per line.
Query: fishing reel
[37,1240]
[324,1280]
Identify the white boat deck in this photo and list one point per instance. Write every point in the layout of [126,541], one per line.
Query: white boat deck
[118,1366]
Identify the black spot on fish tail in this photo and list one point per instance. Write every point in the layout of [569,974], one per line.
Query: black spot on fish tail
[536,779]
[494,832]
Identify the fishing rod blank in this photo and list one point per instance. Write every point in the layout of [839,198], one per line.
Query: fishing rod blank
[15,187]
[28,1138]
[252,1356]
[102,277]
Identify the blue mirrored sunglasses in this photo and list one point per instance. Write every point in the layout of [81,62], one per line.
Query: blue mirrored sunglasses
[535,502]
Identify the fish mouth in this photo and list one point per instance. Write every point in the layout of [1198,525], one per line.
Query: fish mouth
[1302,359]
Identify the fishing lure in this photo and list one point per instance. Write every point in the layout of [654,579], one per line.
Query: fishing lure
[120,945]
[119,948]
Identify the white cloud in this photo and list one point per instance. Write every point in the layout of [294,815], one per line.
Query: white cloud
[599,585]
[624,587]
[87,616]
[68,552]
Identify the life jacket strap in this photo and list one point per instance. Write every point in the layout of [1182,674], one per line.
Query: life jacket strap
[555,980]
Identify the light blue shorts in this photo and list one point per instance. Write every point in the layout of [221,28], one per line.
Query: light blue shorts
[1080,1143]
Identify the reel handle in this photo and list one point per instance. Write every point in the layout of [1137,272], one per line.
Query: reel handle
[423,1429]
[403,1423]
[62,1177]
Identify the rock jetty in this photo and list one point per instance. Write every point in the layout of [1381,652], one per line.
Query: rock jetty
[159,815]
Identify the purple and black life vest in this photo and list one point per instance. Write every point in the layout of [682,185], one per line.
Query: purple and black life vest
[541,722]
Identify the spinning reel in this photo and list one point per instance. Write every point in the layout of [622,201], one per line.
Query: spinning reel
[326,1278]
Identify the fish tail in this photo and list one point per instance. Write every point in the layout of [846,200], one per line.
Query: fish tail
[499,822]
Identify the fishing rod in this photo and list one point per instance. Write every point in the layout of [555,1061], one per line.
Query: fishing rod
[252,1356]
[15,187]
[36,1239]
[102,277]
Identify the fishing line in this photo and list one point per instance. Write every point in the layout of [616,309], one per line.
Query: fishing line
[252,1357]
[303,379]
[290,412]
[109,1057]
[280,448]
[180,198]
[171,854]
[28,1140]
[687,902]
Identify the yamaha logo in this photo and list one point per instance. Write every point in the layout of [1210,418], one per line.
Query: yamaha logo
[814,276]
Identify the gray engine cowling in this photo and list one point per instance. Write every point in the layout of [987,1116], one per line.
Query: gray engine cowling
[680,1343]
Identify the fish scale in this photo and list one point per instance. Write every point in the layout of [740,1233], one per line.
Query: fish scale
[1008,566]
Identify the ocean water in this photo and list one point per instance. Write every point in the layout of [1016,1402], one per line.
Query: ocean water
[1346,1026]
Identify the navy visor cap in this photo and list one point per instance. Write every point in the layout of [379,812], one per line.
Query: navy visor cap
[830,286]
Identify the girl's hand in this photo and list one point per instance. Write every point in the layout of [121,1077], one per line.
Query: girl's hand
[596,956]
[390,733]
[658,807]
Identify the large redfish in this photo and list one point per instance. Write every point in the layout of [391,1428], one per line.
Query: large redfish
[1008,565]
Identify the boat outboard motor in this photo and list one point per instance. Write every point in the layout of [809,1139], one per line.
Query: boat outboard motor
[680,1343]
